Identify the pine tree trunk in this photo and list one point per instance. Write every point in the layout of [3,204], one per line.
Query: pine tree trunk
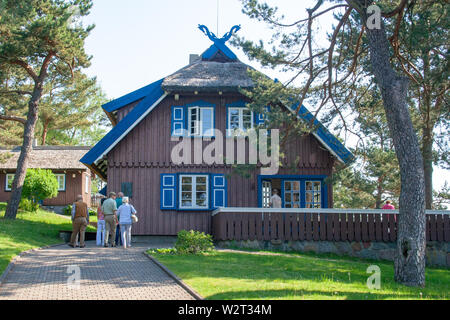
[379,193]
[22,163]
[427,154]
[44,133]
[410,258]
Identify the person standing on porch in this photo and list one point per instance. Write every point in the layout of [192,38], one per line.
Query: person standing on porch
[109,209]
[275,200]
[388,206]
[100,225]
[118,204]
[80,220]
[124,214]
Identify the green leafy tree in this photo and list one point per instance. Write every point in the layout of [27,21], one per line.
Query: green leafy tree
[376,171]
[69,107]
[420,52]
[330,70]
[38,38]
[39,185]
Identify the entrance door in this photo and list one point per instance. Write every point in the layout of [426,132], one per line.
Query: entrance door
[292,194]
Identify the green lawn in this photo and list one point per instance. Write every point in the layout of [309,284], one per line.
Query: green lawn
[28,231]
[233,275]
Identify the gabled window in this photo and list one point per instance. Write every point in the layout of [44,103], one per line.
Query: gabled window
[61,181]
[8,181]
[201,121]
[240,120]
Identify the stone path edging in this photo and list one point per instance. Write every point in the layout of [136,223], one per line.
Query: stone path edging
[13,261]
[191,291]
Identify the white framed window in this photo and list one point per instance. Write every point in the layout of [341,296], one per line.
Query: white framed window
[86,184]
[201,121]
[240,120]
[194,192]
[8,181]
[313,194]
[61,177]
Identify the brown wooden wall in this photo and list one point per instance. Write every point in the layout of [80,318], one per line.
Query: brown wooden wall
[74,186]
[145,152]
[313,226]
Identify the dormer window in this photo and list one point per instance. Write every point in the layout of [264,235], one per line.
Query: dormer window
[201,121]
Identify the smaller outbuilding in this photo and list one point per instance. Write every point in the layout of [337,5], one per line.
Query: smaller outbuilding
[74,178]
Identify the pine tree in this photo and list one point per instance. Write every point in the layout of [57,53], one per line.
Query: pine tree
[34,37]
[319,67]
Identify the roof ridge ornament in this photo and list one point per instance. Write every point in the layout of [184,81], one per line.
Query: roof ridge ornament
[214,38]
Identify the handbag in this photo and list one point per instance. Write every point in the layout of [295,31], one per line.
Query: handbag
[133,216]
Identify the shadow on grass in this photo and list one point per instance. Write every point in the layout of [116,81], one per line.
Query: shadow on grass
[230,270]
[27,231]
[302,294]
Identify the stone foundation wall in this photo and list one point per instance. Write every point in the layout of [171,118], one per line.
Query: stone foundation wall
[437,253]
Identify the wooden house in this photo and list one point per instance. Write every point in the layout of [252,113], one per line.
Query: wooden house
[135,156]
[74,178]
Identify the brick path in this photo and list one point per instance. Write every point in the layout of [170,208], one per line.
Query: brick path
[106,274]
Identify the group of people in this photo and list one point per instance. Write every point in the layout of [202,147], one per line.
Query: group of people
[115,217]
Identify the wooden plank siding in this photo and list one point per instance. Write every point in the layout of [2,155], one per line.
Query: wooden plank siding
[145,153]
[331,226]
[75,185]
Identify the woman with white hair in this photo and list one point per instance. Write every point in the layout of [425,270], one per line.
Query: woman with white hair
[124,214]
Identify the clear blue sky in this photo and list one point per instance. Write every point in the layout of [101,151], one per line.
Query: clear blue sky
[137,42]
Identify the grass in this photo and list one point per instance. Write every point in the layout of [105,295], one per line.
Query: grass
[29,230]
[241,275]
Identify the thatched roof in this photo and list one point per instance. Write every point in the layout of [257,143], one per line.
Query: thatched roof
[209,76]
[47,157]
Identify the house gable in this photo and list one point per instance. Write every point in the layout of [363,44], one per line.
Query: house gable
[219,70]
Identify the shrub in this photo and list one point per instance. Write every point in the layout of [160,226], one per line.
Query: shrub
[39,185]
[68,210]
[28,205]
[163,251]
[193,242]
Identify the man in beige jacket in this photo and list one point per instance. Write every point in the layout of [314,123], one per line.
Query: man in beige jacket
[80,218]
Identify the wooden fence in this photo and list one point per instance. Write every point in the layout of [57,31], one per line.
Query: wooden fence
[319,224]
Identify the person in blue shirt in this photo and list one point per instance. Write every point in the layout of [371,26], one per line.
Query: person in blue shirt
[124,214]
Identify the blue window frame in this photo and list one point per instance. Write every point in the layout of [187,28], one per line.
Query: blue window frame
[178,121]
[168,196]
[195,119]
[193,191]
[297,191]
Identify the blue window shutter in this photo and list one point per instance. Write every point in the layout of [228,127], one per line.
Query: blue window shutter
[178,121]
[218,191]
[260,118]
[168,191]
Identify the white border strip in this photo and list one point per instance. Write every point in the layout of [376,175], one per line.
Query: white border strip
[305,210]
[131,127]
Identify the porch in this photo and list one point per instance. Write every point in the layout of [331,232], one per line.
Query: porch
[300,224]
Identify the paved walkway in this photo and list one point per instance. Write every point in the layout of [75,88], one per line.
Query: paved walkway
[105,274]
